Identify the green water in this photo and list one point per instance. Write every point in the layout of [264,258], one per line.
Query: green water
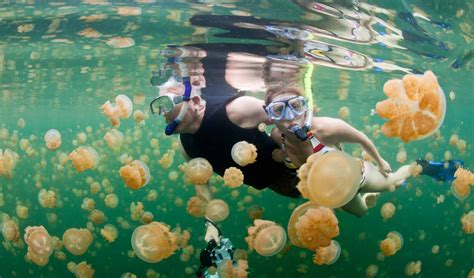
[52,77]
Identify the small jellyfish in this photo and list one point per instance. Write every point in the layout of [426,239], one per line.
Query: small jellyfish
[255,212]
[244,153]
[109,233]
[140,117]
[371,271]
[114,139]
[111,200]
[387,210]
[47,199]
[461,186]
[147,217]
[401,156]
[129,11]
[153,242]
[233,177]
[467,221]
[120,42]
[52,138]
[196,206]
[136,211]
[327,255]
[198,171]
[413,268]
[84,158]
[266,237]
[10,230]
[21,211]
[77,241]
[312,226]
[122,108]
[135,175]
[8,161]
[88,204]
[97,216]
[344,112]
[40,244]
[167,159]
[415,107]
[392,244]
[331,179]
[217,210]
[82,270]
[125,106]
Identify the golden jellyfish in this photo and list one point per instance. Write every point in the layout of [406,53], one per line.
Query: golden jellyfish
[413,268]
[467,221]
[392,244]
[387,210]
[52,138]
[135,175]
[266,237]
[129,11]
[217,210]
[10,229]
[122,108]
[114,139]
[136,211]
[461,186]
[21,211]
[83,270]
[77,241]
[84,158]
[233,177]
[111,200]
[371,271]
[40,244]
[120,42]
[331,179]
[140,117]
[415,107]
[88,204]
[196,206]
[244,153]
[327,255]
[109,233]
[255,212]
[47,198]
[312,226]
[8,161]
[90,33]
[147,217]
[97,216]
[153,242]
[198,171]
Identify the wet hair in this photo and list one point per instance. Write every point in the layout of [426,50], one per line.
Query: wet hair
[281,89]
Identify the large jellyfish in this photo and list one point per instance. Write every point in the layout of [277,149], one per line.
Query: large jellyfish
[233,177]
[154,242]
[122,108]
[52,138]
[40,245]
[244,153]
[312,226]
[327,255]
[135,175]
[198,171]
[415,107]
[392,244]
[8,161]
[114,139]
[331,179]
[217,210]
[467,222]
[77,241]
[266,237]
[84,158]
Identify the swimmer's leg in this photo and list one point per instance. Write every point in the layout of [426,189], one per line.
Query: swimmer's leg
[356,206]
[376,182]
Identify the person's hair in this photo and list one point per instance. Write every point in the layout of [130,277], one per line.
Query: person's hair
[280,89]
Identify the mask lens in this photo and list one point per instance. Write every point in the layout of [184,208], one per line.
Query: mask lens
[162,105]
[298,105]
[277,109]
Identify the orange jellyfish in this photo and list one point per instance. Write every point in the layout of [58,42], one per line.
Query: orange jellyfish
[312,226]
[122,108]
[387,210]
[461,186]
[82,270]
[52,138]
[135,175]
[129,11]
[47,199]
[77,241]
[8,161]
[111,200]
[120,42]
[244,153]
[415,107]
[10,229]
[233,177]
[114,139]
[266,237]
[153,242]
[109,233]
[255,212]
[198,171]
[413,268]
[327,255]
[217,210]
[327,185]
[40,244]
[392,244]
[84,158]
[467,222]
[197,206]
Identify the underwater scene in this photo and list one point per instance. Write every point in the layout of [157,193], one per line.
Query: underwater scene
[236,138]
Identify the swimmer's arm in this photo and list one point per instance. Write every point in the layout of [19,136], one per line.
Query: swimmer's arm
[275,134]
[247,112]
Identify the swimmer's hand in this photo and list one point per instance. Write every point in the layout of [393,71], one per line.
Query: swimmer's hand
[384,167]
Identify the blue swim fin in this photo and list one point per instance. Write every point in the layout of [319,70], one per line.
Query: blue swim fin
[437,170]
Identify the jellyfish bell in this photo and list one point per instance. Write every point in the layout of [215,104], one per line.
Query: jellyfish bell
[233,177]
[387,210]
[196,206]
[135,175]
[125,106]
[327,255]
[467,221]
[198,171]
[153,242]
[266,237]
[84,158]
[77,241]
[8,161]
[244,153]
[415,108]
[217,210]
[391,244]
[331,179]
[114,139]
[39,241]
[52,138]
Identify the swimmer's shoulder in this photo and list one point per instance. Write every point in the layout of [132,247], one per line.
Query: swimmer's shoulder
[247,112]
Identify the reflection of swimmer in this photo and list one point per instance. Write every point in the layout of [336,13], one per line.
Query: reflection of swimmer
[300,135]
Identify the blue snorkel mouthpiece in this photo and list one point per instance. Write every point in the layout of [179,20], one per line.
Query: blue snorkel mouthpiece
[171,127]
[301,132]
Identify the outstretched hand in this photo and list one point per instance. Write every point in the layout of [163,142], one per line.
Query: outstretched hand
[384,167]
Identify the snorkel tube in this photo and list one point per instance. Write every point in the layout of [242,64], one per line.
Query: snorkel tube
[302,132]
[171,127]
